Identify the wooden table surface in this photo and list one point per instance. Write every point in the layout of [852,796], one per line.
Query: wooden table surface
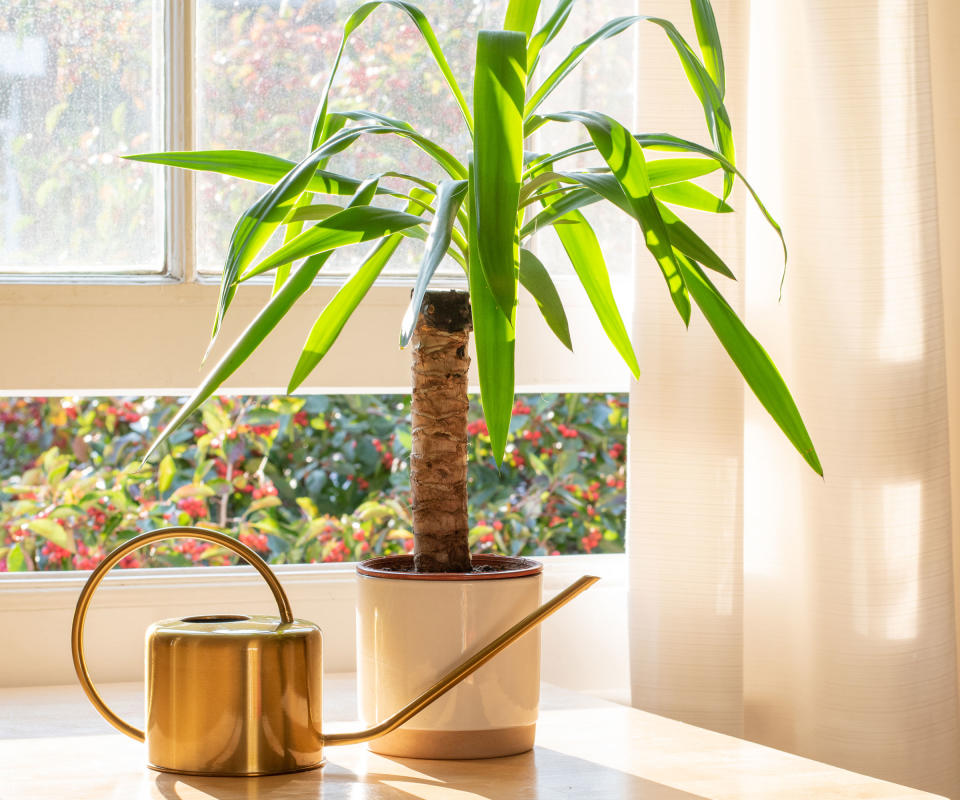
[54,746]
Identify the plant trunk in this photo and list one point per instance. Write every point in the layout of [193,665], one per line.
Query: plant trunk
[438,419]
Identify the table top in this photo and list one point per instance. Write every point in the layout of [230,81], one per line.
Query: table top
[54,746]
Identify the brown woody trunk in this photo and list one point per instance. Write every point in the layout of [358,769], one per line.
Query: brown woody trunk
[438,417]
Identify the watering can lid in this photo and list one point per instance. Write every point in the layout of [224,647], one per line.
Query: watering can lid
[232,625]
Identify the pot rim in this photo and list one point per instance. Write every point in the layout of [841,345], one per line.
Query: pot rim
[518,568]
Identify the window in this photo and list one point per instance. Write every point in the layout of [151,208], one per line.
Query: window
[122,257]
[79,86]
[109,268]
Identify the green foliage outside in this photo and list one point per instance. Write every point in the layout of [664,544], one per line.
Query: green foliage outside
[302,479]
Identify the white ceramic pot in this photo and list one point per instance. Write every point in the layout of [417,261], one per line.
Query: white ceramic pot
[414,627]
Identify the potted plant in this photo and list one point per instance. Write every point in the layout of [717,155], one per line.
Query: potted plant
[419,612]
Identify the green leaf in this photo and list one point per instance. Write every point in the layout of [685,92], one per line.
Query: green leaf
[532,124]
[165,473]
[521,16]
[216,420]
[327,127]
[626,160]
[709,39]
[547,33]
[536,280]
[494,337]
[313,212]
[318,211]
[557,211]
[583,250]
[499,87]
[710,96]
[418,201]
[372,116]
[248,341]
[386,125]
[16,561]
[686,241]
[691,195]
[334,316]
[751,359]
[450,195]
[423,25]
[574,57]
[366,191]
[665,171]
[336,313]
[257,224]
[270,501]
[566,463]
[198,490]
[350,226]
[665,141]
[291,231]
[662,172]
[682,193]
[248,165]
[53,531]
[539,181]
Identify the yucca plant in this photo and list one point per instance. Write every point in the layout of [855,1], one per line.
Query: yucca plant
[483,216]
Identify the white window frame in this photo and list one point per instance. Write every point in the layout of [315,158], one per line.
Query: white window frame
[130,333]
[118,313]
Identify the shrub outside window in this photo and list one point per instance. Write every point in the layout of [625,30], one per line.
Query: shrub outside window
[301,480]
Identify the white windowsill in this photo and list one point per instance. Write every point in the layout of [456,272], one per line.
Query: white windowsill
[584,645]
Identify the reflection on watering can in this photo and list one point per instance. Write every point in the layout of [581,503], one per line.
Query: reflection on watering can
[241,695]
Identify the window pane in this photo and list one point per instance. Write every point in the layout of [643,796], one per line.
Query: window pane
[317,478]
[79,87]
[604,81]
[263,66]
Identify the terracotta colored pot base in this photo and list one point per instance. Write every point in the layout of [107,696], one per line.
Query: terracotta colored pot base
[405,743]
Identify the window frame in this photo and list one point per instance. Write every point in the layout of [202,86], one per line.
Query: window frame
[120,313]
[178,304]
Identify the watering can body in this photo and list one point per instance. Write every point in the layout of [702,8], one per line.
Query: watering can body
[242,695]
[233,695]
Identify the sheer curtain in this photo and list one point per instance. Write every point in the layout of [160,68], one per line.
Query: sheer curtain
[816,616]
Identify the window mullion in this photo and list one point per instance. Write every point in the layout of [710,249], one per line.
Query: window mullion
[179,42]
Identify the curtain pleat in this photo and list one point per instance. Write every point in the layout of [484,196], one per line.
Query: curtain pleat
[812,615]
[685,506]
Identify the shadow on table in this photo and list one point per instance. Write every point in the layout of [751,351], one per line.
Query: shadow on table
[540,774]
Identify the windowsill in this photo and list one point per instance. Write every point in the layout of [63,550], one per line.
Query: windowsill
[584,645]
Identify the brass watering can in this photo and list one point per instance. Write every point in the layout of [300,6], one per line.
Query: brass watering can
[241,695]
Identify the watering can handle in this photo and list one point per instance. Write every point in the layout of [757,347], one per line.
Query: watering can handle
[79,616]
